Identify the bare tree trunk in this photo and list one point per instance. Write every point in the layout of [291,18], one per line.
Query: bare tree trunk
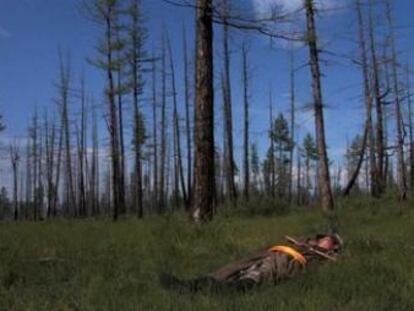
[154,134]
[58,169]
[121,131]
[272,149]
[204,115]
[228,118]
[410,128]
[94,181]
[15,159]
[64,98]
[179,162]
[81,153]
[35,155]
[368,102]
[401,172]
[50,134]
[378,107]
[113,118]
[161,200]
[352,181]
[187,122]
[323,165]
[299,180]
[246,165]
[136,58]
[292,121]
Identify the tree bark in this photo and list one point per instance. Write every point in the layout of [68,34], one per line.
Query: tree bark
[187,122]
[292,122]
[379,141]
[204,115]
[246,145]
[161,200]
[179,161]
[401,172]
[155,134]
[228,115]
[368,102]
[410,128]
[323,163]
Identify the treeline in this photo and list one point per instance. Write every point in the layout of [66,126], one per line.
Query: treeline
[64,170]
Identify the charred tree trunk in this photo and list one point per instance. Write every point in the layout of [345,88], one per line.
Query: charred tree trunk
[188,123]
[378,107]
[155,135]
[401,172]
[179,160]
[292,122]
[15,159]
[368,102]
[204,115]
[163,159]
[246,144]
[410,129]
[352,181]
[323,163]
[272,150]
[81,154]
[120,99]
[94,181]
[136,54]
[50,134]
[64,98]
[228,114]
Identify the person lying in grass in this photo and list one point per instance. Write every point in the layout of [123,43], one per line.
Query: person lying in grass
[273,264]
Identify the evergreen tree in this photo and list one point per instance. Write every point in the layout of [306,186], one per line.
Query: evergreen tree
[282,142]
[310,155]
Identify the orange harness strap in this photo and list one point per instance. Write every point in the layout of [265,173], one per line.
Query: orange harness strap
[289,251]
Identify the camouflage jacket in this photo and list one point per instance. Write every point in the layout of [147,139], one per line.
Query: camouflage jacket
[265,266]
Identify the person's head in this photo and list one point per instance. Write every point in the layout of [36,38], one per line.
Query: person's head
[329,242]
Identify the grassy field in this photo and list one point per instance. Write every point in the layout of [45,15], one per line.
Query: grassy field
[100,265]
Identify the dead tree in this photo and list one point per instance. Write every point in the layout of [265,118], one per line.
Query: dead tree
[292,121]
[323,163]
[63,88]
[228,110]
[187,120]
[120,90]
[163,146]
[272,149]
[154,107]
[82,153]
[401,170]
[15,160]
[106,14]
[204,115]
[137,36]
[34,136]
[246,143]
[410,127]
[50,141]
[179,162]
[94,180]
[368,140]
[376,89]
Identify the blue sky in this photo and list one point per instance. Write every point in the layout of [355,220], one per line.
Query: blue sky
[32,30]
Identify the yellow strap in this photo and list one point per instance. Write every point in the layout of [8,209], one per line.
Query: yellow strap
[290,251]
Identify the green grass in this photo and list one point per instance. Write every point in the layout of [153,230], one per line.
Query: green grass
[100,265]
